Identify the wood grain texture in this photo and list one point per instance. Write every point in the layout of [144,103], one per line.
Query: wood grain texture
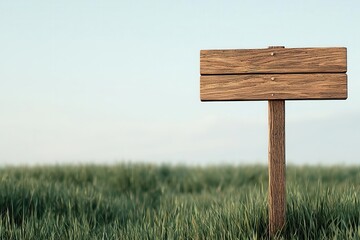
[273,60]
[277,190]
[273,86]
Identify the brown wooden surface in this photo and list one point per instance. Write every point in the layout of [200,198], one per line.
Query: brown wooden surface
[273,86]
[273,60]
[277,190]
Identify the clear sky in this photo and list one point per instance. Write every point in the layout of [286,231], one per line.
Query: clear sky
[112,81]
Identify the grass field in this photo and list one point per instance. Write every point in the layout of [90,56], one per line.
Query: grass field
[161,202]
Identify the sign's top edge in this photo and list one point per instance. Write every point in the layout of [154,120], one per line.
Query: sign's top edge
[271,48]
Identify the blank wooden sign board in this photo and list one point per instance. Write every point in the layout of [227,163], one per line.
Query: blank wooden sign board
[274,74]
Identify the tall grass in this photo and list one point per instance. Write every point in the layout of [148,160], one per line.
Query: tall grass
[162,202]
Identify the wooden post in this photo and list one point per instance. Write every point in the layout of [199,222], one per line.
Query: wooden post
[277,191]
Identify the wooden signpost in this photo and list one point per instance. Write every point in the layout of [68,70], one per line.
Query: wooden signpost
[274,74]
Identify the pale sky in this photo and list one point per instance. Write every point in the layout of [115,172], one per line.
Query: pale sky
[118,81]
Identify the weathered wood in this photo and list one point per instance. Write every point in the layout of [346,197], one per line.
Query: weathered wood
[277,191]
[273,86]
[275,74]
[273,60]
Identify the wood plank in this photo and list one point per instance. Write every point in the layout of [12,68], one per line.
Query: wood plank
[273,87]
[277,191]
[273,60]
